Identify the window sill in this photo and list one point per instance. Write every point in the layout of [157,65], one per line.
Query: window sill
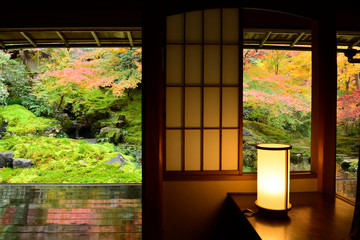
[218,176]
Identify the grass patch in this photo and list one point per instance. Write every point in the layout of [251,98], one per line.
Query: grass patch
[347,145]
[62,160]
[22,121]
[132,112]
[271,134]
[131,109]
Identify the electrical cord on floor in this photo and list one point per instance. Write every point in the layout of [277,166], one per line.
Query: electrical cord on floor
[248,212]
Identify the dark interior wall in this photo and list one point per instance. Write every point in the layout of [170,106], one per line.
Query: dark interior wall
[106,13]
[347,18]
[128,13]
[302,9]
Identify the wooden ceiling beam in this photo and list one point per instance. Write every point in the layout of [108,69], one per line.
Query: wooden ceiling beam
[355,43]
[28,38]
[130,38]
[119,45]
[96,38]
[297,39]
[264,39]
[63,38]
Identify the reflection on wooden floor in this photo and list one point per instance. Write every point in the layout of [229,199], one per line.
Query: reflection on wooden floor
[81,212]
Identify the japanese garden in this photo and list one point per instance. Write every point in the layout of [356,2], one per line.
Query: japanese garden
[74,115]
[70,116]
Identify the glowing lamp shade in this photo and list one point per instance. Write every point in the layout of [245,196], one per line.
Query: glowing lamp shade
[273,178]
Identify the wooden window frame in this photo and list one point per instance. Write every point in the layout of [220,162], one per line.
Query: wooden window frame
[202,86]
[212,174]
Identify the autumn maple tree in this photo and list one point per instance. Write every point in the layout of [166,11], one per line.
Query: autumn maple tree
[277,89]
[67,76]
[348,102]
[117,69]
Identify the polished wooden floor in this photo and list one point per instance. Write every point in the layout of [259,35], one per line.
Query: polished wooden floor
[81,212]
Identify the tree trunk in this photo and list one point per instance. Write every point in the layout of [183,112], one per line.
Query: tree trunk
[357,80]
[347,85]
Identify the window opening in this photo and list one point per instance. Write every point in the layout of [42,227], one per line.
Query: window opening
[277,104]
[70,115]
[348,131]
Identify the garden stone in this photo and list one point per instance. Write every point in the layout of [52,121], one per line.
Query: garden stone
[6,159]
[10,134]
[66,122]
[118,159]
[107,124]
[3,126]
[96,114]
[118,104]
[52,131]
[113,135]
[22,163]
[247,132]
[121,121]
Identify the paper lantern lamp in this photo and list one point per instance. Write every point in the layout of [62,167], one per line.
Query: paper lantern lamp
[273,179]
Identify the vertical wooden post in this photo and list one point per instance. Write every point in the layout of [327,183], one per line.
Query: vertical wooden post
[324,80]
[152,105]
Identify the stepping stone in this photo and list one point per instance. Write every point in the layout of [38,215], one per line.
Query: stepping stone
[22,163]
[118,159]
[6,159]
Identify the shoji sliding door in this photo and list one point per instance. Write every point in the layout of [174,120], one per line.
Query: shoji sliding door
[203,93]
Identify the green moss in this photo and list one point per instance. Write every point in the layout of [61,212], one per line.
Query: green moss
[269,133]
[347,145]
[132,131]
[97,102]
[62,160]
[22,121]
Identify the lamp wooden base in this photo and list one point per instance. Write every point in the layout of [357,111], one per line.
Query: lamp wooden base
[270,213]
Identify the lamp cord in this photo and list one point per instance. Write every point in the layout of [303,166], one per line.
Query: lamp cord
[248,212]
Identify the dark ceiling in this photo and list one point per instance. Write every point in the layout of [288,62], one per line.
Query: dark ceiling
[119,23]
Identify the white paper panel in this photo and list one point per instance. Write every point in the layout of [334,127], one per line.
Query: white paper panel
[173,106]
[192,107]
[175,28]
[192,149]
[173,150]
[193,27]
[230,25]
[211,149]
[230,146]
[230,65]
[230,107]
[193,64]
[212,26]
[174,64]
[211,107]
[212,58]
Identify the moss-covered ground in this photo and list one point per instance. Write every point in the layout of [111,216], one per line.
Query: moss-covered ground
[263,133]
[63,160]
[22,121]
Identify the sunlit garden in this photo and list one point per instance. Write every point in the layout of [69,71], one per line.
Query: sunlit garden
[277,104]
[74,116]
[348,127]
[70,116]
[277,108]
